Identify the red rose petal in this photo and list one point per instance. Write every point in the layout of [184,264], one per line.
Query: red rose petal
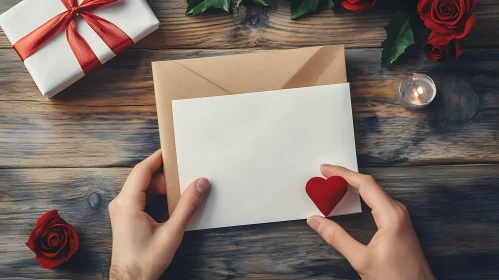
[423,6]
[465,4]
[468,25]
[53,255]
[457,47]
[438,20]
[438,39]
[430,54]
[38,231]
[44,239]
[55,221]
[43,244]
[31,241]
[49,263]
[460,11]
[45,218]
[65,237]
[448,11]
[60,251]
[434,10]
[75,241]
[358,5]
[473,4]
[53,240]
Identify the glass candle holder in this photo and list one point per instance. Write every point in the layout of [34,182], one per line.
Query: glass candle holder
[416,91]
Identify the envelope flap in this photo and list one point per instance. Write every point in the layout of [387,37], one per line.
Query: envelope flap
[272,70]
[182,83]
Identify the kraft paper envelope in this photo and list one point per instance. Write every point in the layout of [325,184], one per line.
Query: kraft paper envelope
[235,74]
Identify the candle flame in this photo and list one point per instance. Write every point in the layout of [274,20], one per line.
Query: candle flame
[420,90]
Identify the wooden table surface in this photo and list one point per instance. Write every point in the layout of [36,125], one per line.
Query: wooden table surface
[442,162]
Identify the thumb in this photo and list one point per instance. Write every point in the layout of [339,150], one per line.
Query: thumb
[189,202]
[337,237]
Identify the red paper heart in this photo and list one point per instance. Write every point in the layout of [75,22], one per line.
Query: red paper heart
[326,194]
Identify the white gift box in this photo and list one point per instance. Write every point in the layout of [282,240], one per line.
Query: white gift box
[54,66]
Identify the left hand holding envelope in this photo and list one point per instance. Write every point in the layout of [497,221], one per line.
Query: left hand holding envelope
[143,248]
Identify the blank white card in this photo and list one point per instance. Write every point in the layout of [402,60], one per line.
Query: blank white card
[259,150]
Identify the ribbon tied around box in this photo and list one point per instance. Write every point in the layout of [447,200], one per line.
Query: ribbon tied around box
[112,35]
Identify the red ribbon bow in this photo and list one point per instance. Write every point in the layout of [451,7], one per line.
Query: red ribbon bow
[113,36]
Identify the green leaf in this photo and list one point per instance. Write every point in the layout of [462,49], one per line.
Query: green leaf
[200,6]
[399,37]
[260,2]
[245,2]
[303,7]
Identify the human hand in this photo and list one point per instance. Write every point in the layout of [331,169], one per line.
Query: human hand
[143,248]
[394,251]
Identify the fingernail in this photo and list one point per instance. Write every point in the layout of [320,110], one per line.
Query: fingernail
[202,185]
[314,223]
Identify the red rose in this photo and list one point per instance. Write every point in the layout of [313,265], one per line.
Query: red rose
[53,240]
[436,53]
[447,19]
[442,53]
[358,5]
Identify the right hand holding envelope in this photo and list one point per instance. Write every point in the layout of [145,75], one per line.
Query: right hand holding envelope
[394,251]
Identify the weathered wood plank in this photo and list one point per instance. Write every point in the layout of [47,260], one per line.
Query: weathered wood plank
[454,210]
[109,117]
[271,27]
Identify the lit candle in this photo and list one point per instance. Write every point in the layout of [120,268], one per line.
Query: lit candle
[416,91]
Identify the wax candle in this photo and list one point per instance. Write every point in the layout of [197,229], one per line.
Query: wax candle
[416,91]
